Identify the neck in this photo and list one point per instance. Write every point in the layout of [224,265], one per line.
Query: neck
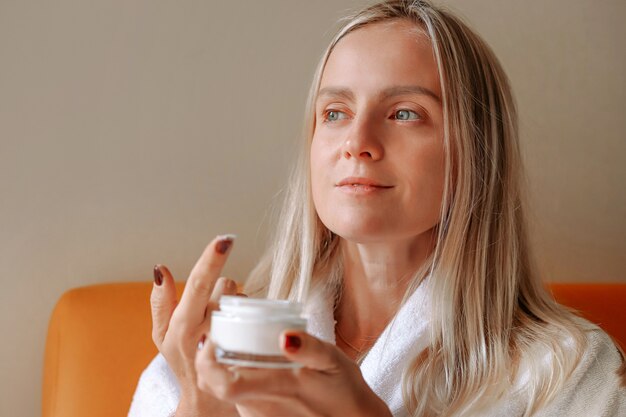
[376,277]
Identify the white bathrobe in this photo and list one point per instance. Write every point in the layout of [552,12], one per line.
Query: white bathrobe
[592,391]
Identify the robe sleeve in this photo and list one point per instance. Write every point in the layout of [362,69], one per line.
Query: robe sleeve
[157,392]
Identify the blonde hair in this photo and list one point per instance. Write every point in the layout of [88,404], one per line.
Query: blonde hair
[498,313]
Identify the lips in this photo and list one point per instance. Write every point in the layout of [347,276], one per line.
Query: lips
[362,183]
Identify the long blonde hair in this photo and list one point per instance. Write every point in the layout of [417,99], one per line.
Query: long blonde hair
[498,313]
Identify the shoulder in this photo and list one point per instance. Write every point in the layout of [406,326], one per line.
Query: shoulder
[157,392]
[596,386]
[600,362]
[601,351]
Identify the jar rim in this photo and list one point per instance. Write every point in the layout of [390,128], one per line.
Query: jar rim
[237,303]
[257,318]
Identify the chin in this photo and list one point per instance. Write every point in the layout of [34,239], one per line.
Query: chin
[361,230]
[375,229]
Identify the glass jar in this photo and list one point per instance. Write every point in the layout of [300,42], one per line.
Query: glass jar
[246,331]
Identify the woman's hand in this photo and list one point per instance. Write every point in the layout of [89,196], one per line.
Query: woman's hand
[328,384]
[177,329]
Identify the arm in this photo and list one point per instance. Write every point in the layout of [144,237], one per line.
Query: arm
[177,328]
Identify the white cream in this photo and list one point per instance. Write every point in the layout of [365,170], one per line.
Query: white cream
[246,331]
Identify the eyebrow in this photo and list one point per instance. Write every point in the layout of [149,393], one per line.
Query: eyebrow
[347,94]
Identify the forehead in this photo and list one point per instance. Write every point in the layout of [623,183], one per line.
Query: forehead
[381,55]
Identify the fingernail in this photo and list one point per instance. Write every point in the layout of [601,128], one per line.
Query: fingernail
[224,243]
[158,275]
[292,343]
[231,286]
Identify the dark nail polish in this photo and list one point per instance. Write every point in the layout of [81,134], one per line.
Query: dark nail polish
[292,343]
[158,275]
[223,245]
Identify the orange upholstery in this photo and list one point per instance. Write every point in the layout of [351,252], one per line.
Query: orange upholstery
[99,341]
[603,304]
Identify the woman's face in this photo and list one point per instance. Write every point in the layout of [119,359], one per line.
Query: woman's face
[377,156]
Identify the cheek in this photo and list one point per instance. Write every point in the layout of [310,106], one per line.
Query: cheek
[323,163]
[427,176]
[317,170]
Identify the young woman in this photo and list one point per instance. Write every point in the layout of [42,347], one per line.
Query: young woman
[403,231]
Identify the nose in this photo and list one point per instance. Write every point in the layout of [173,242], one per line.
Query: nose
[362,143]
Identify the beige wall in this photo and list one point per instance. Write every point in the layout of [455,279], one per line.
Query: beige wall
[132,132]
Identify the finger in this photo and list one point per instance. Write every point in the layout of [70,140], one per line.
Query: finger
[223,286]
[311,352]
[203,276]
[212,377]
[162,302]
[254,383]
[234,384]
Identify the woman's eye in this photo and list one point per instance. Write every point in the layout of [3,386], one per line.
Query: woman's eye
[334,115]
[406,115]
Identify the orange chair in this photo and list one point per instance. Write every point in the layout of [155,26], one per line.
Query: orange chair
[99,341]
[603,304]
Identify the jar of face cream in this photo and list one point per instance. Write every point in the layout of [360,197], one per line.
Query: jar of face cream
[246,331]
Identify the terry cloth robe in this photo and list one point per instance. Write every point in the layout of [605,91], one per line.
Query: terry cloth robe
[593,390]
